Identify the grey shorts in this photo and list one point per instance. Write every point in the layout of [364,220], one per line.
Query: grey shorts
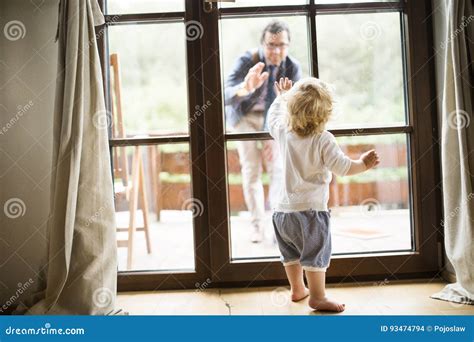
[304,237]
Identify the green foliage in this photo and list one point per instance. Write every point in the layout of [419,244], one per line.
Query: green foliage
[360,54]
[153,70]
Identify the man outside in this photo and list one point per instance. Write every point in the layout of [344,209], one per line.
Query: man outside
[249,92]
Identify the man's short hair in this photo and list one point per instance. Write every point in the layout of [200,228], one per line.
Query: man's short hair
[275,27]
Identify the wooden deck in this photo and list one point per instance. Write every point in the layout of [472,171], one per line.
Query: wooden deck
[352,231]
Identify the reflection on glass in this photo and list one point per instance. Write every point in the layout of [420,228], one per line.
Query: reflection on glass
[255,3]
[360,55]
[153,83]
[370,211]
[144,6]
[154,207]
[243,35]
[253,181]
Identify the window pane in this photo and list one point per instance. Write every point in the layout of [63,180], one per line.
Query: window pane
[249,201]
[144,6]
[360,55]
[371,211]
[171,207]
[254,3]
[153,80]
[243,35]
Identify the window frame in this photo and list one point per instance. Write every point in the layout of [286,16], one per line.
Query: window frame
[207,135]
[423,260]
[168,279]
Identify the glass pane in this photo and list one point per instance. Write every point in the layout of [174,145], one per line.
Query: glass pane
[371,211]
[163,199]
[250,194]
[254,3]
[153,87]
[243,35]
[360,55]
[144,6]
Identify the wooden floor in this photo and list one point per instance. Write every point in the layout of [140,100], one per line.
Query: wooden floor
[383,298]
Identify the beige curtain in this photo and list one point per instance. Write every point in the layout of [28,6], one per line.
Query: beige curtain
[457,149]
[82,260]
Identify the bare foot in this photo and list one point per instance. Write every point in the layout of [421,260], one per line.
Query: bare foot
[326,304]
[297,296]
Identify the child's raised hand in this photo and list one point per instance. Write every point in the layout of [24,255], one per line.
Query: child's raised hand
[370,159]
[283,86]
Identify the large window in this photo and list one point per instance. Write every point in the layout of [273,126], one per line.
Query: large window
[181,183]
[153,81]
[361,56]
[157,206]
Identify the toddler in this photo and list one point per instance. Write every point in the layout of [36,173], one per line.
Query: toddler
[310,154]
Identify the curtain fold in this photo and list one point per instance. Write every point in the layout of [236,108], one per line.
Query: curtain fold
[82,257]
[457,148]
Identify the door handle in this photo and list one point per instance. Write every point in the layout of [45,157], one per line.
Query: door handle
[210,5]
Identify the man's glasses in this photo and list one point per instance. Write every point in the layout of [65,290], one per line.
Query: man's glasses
[272,46]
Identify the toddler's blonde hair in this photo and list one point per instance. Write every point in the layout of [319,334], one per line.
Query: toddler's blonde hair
[310,106]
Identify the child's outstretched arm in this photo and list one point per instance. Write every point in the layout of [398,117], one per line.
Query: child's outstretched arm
[339,163]
[366,161]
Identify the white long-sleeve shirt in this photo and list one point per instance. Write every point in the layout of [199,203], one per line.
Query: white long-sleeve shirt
[308,163]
